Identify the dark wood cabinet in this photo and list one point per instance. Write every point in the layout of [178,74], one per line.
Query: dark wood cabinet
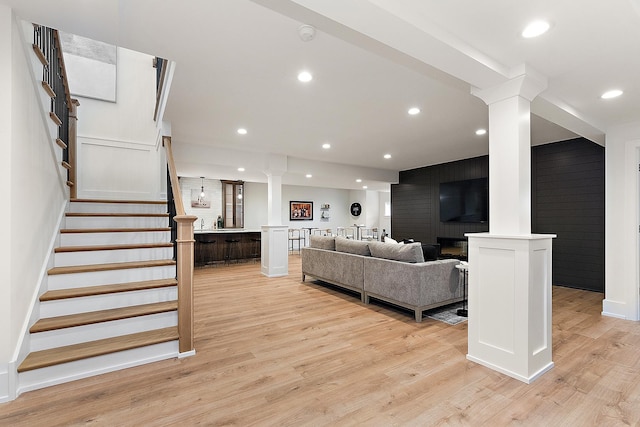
[213,247]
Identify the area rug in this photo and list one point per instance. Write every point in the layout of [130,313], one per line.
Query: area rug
[447,314]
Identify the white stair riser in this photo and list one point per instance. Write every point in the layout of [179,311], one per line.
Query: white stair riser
[105,302]
[76,280]
[84,222]
[45,377]
[98,331]
[121,238]
[81,207]
[64,259]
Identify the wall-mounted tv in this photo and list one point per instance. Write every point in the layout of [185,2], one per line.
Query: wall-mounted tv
[465,201]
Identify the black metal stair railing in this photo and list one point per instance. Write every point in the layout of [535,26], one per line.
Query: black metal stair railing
[54,75]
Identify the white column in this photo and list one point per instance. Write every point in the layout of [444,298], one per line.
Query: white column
[509,268]
[274,245]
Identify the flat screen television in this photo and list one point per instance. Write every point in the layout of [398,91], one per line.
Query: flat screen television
[465,201]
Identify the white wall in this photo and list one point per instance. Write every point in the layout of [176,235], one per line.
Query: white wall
[117,155]
[385,221]
[339,201]
[34,188]
[622,157]
[213,193]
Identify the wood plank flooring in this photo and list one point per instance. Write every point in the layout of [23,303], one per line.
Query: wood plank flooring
[277,352]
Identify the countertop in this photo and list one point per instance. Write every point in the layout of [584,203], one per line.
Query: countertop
[196,230]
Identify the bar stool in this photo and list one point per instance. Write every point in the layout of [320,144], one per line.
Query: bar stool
[294,235]
[256,244]
[231,249]
[208,243]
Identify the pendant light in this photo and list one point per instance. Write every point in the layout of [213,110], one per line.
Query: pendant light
[202,187]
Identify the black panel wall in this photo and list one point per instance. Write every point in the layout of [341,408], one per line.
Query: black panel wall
[567,200]
[415,201]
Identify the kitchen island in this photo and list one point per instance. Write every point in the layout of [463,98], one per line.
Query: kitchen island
[215,246]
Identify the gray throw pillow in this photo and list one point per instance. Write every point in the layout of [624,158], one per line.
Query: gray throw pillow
[406,253]
[358,247]
[322,242]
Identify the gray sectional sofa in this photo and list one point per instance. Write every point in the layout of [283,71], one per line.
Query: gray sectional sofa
[389,272]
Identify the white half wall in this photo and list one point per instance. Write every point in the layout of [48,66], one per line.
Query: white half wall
[117,153]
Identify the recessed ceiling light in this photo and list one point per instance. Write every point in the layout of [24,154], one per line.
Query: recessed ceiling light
[326,146]
[535,29]
[305,76]
[309,175]
[387,156]
[413,111]
[242,131]
[364,187]
[358,180]
[481,131]
[611,94]
[240,169]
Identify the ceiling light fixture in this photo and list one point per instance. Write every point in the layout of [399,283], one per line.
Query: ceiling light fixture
[326,146]
[387,156]
[305,76]
[358,180]
[202,188]
[364,187]
[240,192]
[309,175]
[240,169]
[242,131]
[611,94]
[481,132]
[535,29]
[413,111]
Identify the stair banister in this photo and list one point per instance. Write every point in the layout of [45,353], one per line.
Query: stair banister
[184,255]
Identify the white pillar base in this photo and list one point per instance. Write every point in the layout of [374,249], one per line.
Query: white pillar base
[274,251]
[510,304]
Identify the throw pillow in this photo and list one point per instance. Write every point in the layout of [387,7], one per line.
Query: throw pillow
[406,253]
[357,247]
[388,239]
[322,242]
[430,252]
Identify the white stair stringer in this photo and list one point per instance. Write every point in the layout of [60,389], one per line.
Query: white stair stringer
[69,306]
[85,368]
[78,334]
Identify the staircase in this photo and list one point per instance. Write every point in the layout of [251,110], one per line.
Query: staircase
[111,301]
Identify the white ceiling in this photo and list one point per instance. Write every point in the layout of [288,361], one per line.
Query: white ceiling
[237,61]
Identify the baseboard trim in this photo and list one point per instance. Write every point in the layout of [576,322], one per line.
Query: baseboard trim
[615,309]
[7,382]
[526,380]
[186,354]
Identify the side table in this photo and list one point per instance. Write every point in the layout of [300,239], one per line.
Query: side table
[463,268]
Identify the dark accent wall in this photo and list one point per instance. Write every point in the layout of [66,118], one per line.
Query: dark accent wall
[567,200]
[415,201]
[567,190]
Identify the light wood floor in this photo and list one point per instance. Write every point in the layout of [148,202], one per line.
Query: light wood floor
[278,352]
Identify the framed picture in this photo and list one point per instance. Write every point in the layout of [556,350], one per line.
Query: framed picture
[300,211]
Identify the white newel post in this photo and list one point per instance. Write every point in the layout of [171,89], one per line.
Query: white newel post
[509,268]
[274,246]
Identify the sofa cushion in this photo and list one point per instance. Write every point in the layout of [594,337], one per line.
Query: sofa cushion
[430,252]
[323,242]
[357,247]
[407,253]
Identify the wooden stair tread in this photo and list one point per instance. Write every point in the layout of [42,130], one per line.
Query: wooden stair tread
[137,202]
[89,248]
[80,319]
[55,356]
[113,230]
[116,214]
[88,291]
[111,266]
